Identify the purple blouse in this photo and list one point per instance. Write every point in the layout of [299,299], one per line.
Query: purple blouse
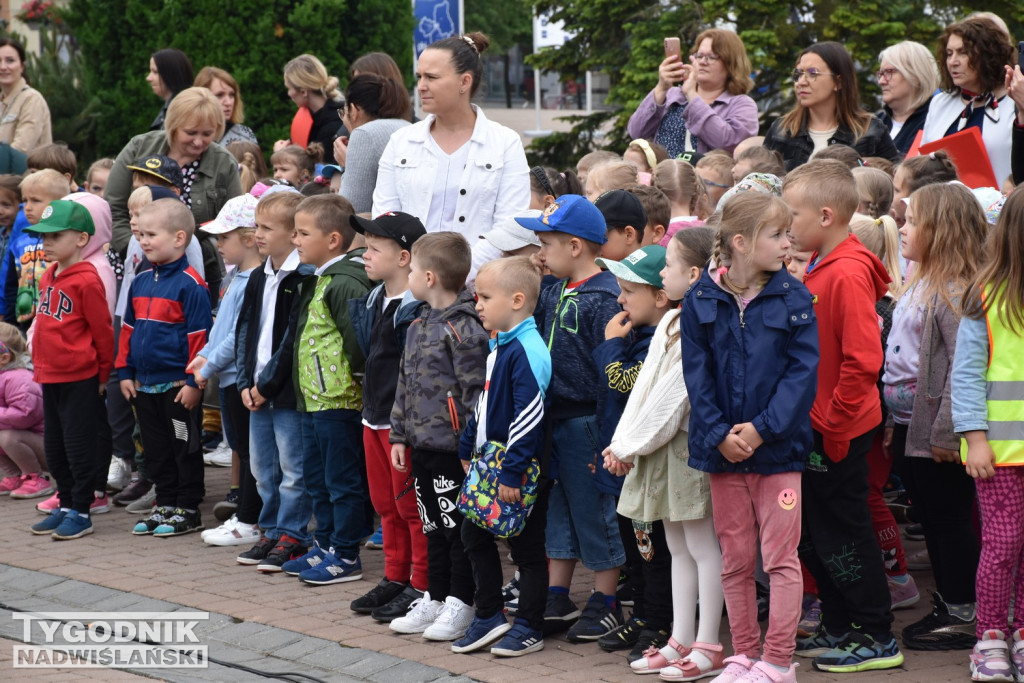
[723,124]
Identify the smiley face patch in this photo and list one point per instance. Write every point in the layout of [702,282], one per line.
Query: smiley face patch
[787,499]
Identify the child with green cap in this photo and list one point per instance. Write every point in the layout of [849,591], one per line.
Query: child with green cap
[72,355]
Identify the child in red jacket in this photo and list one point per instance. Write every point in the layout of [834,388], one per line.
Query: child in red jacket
[73,355]
[839,544]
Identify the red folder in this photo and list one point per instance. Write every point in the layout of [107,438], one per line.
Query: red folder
[967,150]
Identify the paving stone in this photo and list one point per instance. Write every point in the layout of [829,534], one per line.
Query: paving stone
[407,672]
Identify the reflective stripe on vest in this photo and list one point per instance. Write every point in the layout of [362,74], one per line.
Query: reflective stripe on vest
[1005,390]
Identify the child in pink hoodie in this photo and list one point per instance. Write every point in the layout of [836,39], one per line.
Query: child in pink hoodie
[21,421]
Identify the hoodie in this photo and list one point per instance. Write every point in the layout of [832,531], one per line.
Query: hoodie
[93,252]
[21,399]
[441,377]
[845,285]
[74,335]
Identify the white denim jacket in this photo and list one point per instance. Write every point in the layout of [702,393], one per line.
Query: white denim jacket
[494,186]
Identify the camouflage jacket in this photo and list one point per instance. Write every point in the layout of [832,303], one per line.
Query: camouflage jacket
[441,377]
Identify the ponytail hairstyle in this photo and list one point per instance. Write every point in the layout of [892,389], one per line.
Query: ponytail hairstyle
[951,233]
[1003,269]
[306,72]
[681,184]
[545,180]
[12,342]
[379,97]
[251,165]
[746,214]
[926,169]
[695,246]
[383,65]
[875,189]
[881,236]
[305,159]
[466,50]
[174,68]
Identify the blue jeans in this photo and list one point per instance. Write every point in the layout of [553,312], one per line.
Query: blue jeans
[275,437]
[581,519]
[332,450]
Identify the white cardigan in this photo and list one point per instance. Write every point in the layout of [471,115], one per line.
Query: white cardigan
[997,135]
[495,184]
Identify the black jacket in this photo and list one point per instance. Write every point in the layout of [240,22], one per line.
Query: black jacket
[797,150]
[326,123]
[915,122]
[275,382]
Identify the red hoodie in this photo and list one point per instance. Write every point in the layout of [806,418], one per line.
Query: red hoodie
[846,285]
[74,336]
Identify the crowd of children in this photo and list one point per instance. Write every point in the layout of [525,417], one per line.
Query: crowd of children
[693,376]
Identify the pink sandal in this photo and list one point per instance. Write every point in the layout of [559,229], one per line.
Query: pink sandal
[704,660]
[653,661]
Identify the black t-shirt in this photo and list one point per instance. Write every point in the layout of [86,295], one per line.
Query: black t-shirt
[382,364]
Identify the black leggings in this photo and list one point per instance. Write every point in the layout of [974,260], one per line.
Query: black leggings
[249,503]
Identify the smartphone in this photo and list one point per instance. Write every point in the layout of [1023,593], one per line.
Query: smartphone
[672,48]
[1020,53]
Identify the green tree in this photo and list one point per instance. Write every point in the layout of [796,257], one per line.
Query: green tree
[117,38]
[623,38]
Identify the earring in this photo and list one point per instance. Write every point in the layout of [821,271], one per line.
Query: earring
[462,91]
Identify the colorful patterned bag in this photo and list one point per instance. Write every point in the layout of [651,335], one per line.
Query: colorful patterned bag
[478,500]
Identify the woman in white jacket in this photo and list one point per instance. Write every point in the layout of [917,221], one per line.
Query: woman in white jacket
[455,170]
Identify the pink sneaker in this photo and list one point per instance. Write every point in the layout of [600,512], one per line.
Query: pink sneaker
[8,484]
[762,672]
[100,505]
[49,505]
[33,486]
[903,594]
[736,668]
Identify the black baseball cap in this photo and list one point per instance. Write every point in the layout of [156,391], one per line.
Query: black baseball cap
[621,208]
[162,167]
[400,227]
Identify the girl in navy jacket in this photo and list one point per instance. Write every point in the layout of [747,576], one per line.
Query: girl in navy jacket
[750,358]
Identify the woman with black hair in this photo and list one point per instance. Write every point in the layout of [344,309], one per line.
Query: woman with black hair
[170,72]
[24,116]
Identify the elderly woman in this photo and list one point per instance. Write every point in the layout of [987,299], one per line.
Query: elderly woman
[225,88]
[908,76]
[24,116]
[973,55]
[194,120]
[710,109]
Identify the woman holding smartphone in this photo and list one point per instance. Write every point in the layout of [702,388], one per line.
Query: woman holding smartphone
[710,108]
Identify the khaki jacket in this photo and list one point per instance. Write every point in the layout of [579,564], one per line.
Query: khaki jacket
[25,119]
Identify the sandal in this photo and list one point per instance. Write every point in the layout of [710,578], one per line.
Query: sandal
[703,661]
[653,661]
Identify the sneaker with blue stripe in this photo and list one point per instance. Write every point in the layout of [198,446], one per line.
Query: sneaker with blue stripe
[597,620]
[482,632]
[860,652]
[311,559]
[818,644]
[332,569]
[521,640]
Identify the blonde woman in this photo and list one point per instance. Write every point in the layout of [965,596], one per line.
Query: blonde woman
[908,77]
[316,94]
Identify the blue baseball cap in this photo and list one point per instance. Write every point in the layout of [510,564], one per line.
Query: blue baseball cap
[572,214]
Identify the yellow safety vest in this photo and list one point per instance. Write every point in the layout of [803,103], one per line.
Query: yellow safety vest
[1005,388]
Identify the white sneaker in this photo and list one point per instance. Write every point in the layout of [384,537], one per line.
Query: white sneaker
[232,532]
[220,456]
[119,475]
[421,615]
[453,620]
[228,525]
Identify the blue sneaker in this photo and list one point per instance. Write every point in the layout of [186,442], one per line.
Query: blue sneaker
[376,541]
[818,644]
[860,652]
[481,632]
[73,525]
[521,640]
[311,559]
[50,524]
[333,569]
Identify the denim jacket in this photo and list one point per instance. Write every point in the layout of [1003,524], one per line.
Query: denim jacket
[967,379]
[494,186]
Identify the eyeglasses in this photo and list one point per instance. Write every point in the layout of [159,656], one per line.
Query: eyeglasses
[886,74]
[711,183]
[812,74]
[708,57]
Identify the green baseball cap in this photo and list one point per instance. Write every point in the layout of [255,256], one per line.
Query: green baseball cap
[61,214]
[643,266]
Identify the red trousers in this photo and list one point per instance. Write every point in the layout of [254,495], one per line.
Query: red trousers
[394,498]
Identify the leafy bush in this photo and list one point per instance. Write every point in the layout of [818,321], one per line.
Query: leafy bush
[253,42]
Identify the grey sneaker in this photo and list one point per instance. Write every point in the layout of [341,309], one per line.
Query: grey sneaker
[144,504]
